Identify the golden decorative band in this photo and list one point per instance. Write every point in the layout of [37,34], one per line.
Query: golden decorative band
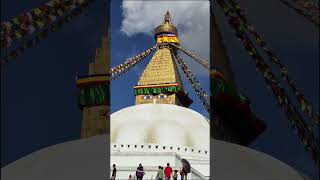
[166,39]
[156,85]
[93,80]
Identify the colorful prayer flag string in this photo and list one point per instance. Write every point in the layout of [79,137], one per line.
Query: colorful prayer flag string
[304,104]
[29,43]
[310,13]
[42,33]
[201,61]
[124,67]
[305,133]
[204,98]
[37,19]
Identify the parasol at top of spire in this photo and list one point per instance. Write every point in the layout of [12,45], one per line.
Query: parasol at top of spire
[167,18]
[166,26]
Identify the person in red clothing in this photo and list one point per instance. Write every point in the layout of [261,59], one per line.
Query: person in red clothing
[167,172]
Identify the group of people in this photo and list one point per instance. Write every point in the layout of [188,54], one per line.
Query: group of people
[163,174]
[167,173]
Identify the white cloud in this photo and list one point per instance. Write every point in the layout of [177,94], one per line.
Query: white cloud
[192,19]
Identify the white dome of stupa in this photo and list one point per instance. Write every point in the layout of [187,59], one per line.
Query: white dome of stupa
[161,124]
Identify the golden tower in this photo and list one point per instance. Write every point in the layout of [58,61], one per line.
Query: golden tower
[160,82]
[93,91]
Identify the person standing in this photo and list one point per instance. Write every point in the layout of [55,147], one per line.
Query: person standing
[114,172]
[160,174]
[130,177]
[175,175]
[168,172]
[140,172]
[183,174]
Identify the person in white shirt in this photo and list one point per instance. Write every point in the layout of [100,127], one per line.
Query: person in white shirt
[160,174]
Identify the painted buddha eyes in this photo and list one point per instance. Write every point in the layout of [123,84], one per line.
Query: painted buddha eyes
[161,96]
[148,97]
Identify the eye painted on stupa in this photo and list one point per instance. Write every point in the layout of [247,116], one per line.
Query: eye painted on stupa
[162,96]
[148,97]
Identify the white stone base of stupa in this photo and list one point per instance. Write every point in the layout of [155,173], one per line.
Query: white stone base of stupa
[151,156]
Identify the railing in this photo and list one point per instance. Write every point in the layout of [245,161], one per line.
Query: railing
[160,148]
[193,171]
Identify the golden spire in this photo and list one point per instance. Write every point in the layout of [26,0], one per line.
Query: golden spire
[100,64]
[160,82]
[167,18]
[93,93]
[166,26]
